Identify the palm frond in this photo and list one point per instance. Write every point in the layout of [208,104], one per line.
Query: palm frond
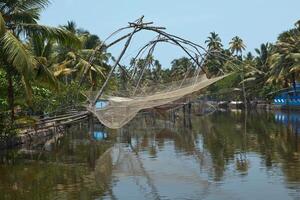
[295,56]
[28,4]
[48,49]
[58,34]
[16,52]
[246,80]
[295,68]
[46,77]
[99,70]
[26,16]
[2,26]
[62,69]
[71,55]
[36,44]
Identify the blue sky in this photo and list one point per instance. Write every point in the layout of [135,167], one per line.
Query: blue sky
[255,21]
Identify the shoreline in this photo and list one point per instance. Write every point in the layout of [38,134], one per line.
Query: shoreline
[31,136]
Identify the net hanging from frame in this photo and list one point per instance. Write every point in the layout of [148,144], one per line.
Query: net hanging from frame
[120,108]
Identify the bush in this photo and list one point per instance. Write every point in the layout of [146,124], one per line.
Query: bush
[45,101]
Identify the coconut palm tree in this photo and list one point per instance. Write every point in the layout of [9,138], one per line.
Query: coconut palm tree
[285,60]
[182,67]
[256,70]
[157,72]
[19,23]
[237,46]
[73,63]
[214,61]
[258,67]
[214,42]
[264,52]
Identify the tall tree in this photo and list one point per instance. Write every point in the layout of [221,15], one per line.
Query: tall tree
[237,46]
[214,42]
[214,61]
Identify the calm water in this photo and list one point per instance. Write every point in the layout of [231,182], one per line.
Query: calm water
[218,156]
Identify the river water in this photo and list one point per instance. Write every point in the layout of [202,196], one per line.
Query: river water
[223,155]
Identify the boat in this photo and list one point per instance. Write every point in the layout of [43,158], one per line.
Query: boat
[238,105]
[288,99]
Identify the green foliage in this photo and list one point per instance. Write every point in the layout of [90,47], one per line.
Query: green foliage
[42,100]
[182,67]
[268,92]
[46,101]
[69,96]
[275,67]
[225,89]
[7,127]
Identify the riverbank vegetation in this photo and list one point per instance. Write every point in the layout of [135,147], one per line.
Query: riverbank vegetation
[47,69]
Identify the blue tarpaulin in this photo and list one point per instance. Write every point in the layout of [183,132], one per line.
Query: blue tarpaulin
[101,104]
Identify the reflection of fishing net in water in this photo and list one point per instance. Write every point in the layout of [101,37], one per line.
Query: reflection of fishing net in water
[122,162]
[121,165]
[120,110]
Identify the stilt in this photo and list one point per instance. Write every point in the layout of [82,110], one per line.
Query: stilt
[91,124]
[189,108]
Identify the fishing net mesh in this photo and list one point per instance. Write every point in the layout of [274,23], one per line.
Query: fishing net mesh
[124,105]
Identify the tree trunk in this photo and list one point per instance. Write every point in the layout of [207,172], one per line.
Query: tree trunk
[10,92]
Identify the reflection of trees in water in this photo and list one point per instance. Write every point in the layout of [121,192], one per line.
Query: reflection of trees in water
[62,173]
[228,137]
[152,138]
[223,137]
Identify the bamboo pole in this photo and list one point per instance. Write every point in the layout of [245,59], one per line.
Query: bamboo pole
[114,66]
[150,52]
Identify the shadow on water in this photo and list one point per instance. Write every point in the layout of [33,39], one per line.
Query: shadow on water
[174,155]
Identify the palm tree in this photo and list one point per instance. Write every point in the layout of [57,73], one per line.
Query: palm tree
[256,70]
[18,23]
[182,67]
[264,52]
[42,50]
[214,61]
[214,42]
[237,46]
[157,72]
[142,70]
[74,63]
[285,60]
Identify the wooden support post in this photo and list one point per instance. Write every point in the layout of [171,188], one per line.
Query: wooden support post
[173,116]
[91,124]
